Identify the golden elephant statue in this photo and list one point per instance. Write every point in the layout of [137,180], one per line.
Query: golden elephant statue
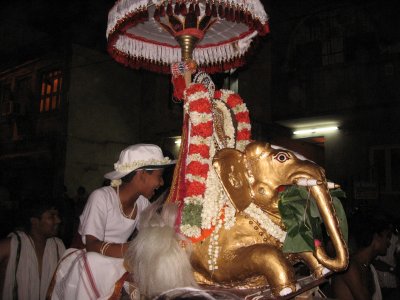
[249,253]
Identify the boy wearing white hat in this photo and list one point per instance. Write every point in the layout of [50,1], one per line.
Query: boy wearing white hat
[110,216]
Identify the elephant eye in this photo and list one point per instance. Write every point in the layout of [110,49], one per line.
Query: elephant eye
[282,157]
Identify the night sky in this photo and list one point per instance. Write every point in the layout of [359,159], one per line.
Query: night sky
[29,26]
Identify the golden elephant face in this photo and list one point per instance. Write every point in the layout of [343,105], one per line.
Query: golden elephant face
[255,174]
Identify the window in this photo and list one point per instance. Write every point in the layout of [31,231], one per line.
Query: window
[319,42]
[23,89]
[332,51]
[5,92]
[386,168]
[6,104]
[50,94]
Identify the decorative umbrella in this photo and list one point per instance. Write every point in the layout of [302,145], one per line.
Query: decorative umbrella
[153,34]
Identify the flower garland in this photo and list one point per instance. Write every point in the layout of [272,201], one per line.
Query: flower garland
[200,216]
[199,108]
[265,222]
[206,207]
[129,167]
[241,114]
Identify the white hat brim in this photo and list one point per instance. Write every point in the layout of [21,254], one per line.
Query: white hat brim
[115,175]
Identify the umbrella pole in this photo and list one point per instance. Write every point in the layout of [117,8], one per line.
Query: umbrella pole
[188,43]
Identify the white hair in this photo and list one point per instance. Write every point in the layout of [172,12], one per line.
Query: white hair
[155,257]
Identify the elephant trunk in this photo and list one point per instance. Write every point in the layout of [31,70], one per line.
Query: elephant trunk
[328,214]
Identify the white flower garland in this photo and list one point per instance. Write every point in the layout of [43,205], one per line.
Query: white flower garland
[216,200]
[265,222]
[191,230]
[128,167]
[230,215]
[214,248]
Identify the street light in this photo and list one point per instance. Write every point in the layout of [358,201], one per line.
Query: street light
[316,130]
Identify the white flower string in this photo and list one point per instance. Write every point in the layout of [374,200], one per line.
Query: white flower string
[265,222]
[128,167]
[214,248]
[116,183]
[230,215]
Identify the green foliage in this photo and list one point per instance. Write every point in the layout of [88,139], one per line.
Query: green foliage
[192,214]
[302,219]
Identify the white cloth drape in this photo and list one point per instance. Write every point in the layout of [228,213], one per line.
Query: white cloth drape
[377,295]
[86,275]
[31,284]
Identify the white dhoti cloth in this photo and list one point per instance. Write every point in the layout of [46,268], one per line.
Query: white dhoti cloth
[86,275]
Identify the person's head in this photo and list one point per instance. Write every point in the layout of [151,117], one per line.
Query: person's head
[371,230]
[145,163]
[147,180]
[41,215]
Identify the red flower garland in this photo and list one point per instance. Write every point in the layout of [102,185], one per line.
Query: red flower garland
[234,101]
[198,108]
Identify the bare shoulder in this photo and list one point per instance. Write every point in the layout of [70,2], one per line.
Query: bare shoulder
[5,248]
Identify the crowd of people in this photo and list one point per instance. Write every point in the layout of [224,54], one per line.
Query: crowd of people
[35,264]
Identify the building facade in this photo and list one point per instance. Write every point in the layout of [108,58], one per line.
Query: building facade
[66,116]
[338,63]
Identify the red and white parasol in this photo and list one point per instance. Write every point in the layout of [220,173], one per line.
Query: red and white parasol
[153,34]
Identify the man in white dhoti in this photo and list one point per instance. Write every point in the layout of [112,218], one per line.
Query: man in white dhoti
[108,220]
[29,258]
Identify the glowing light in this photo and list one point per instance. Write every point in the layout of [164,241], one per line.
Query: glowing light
[316,130]
[178,141]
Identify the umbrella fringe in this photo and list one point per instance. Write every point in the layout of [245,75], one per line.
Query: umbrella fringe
[224,53]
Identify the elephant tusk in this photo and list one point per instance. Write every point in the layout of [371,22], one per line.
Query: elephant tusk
[313,182]
[307,182]
[332,185]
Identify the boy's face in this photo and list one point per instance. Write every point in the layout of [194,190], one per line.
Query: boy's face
[152,181]
[48,223]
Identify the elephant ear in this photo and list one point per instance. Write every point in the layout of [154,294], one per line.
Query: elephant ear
[229,165]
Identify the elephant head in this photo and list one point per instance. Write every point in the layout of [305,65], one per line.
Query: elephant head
[254,176]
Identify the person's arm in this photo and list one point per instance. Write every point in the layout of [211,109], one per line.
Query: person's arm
[5,248]
[109,249]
